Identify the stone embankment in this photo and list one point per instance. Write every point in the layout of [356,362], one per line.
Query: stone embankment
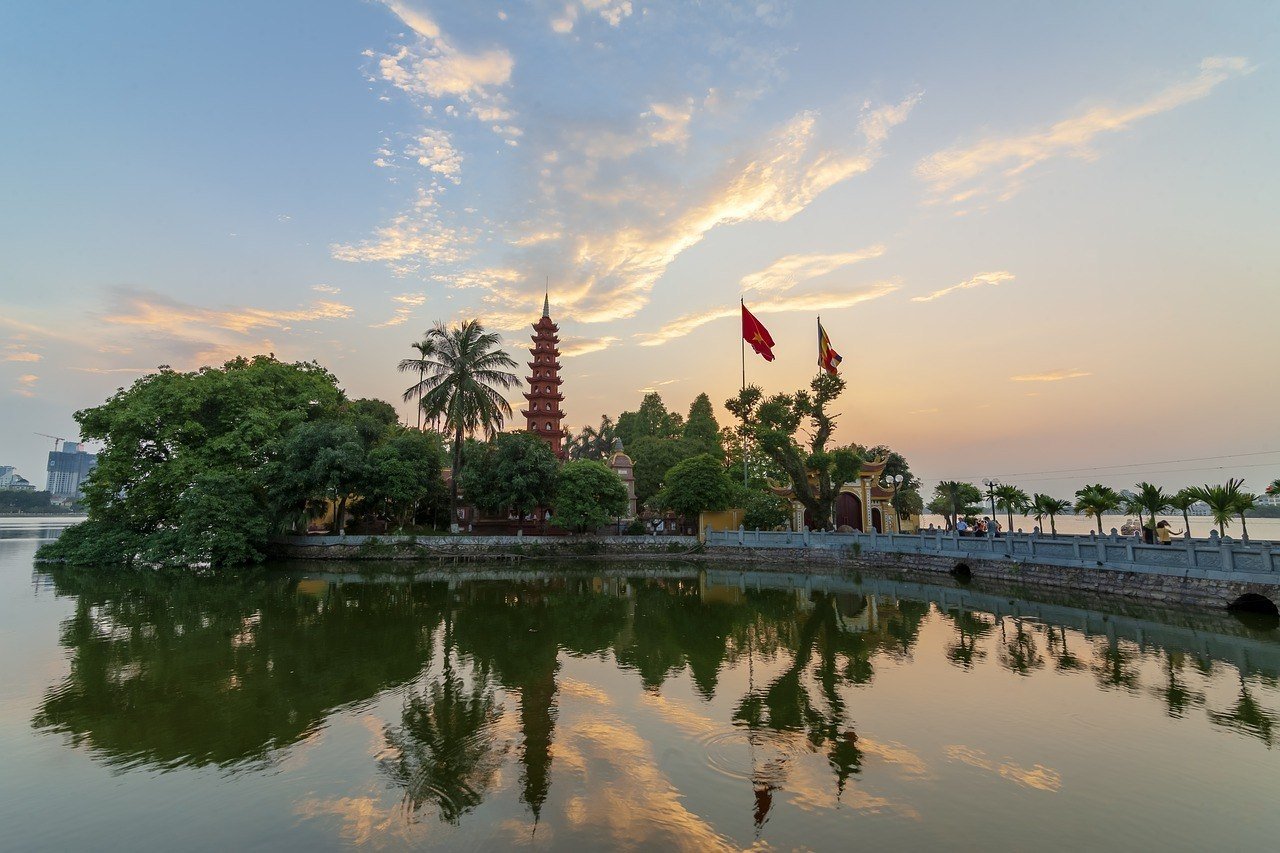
[463,548]
[1203,573]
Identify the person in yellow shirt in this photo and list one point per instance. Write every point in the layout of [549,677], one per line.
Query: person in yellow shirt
[1164,534]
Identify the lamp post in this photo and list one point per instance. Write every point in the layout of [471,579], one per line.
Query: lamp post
[991,493]
[896,480]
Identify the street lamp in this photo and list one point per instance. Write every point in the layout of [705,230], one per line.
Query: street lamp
[896,480]
[991,493]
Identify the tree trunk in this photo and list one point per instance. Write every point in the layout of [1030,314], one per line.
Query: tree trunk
[1244,528]
[340,520]
[1100,533]
[457,472]
[1053,525]
[1186,525]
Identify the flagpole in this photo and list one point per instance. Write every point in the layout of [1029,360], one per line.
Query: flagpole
[743,345]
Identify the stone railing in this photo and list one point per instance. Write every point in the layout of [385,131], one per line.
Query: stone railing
[1253,561]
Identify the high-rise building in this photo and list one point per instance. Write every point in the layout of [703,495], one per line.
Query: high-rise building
[68,469]
[543,414]
[12,481]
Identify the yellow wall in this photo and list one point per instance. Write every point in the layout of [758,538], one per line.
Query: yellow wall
[727,519]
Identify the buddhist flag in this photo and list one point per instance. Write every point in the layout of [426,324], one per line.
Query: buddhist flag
[828,358]
[754,333]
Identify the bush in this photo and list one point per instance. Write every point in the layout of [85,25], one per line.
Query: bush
[588,496]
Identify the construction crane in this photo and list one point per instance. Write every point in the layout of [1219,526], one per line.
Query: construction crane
[57,442]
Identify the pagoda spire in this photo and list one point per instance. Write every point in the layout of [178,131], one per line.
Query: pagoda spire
[543,415]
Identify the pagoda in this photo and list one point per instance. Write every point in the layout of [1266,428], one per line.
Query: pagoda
[543,415]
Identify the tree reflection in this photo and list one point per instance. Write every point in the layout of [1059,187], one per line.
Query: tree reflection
[1019,653]
[970,627]
[1115,666]
[444,750]
[1175,693]
[1064,660]
[1248,717]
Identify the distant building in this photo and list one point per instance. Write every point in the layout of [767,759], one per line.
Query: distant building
[543,413]
[68,469]
[1268,500]
[12,481]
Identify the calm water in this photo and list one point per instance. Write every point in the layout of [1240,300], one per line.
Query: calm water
[643,709]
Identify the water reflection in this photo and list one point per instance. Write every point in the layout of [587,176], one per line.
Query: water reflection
[169,671]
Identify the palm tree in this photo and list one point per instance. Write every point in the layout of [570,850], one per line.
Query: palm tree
[1052,508]
[426,348]
[1225,501]
[954,498]
[1183,500]
[461,382]
[1243,503]
[1274,488]
[1011,499]
[1096,500]
[1153,500]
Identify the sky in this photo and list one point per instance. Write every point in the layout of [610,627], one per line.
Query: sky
[1041,235]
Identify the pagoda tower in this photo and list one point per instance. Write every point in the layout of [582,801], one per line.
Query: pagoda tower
[543,415]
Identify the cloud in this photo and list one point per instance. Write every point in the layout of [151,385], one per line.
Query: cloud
[1051,376]
[326,288]
[791,270]
[434,149]
[615,268]
[670,122]
[437,68]
[154,311]
[411,240]
[997,165]
[611,12]
[682,326]
[405,304]
[574,346]
[26,385]
[982,279]
[22,355]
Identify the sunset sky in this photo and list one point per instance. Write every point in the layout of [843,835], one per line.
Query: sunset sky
[1043,236]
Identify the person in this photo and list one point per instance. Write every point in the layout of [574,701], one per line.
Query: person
[1164,533]
[982,527]
[961,527]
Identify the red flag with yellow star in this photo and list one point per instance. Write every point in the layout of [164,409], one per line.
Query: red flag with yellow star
[754,333]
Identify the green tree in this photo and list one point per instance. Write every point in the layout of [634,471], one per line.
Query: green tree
[464,377]
[321,460]
[1226,501]
[954,500]
[418,366]
[815,472]
[1044,505]
[1182,500]
[651,420]
[1152,500]
[696,484]
[588,496]
[1011,499]
[403,473]
[906,499]
[593,442]
[762,510]
[514,472]
[653,457]
[1096,501]
[701,429]
[184,473]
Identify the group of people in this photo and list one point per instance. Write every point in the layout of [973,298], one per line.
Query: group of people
[987,527]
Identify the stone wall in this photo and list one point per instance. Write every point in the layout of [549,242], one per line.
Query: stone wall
[1181,590]
[470,548]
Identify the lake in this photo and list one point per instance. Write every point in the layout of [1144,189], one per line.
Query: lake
[642,706]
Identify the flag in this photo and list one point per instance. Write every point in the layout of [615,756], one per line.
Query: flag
[754,333]
[828,358]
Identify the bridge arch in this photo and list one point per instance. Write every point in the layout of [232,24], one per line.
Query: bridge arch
[1252,602]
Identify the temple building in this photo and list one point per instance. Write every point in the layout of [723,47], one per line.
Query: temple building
[620,463]
[862,504]
[543,414]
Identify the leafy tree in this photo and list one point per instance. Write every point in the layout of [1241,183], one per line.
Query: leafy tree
[701,429]
[1012,499]
[17,501]
[651,420]
[762,471]
[1182,501]
[653,457]
[954,500]
[696,484]
[403,473]
[762,510]
[906,500]
[1096,501]
[815,472]
[588,496]
[464,377]
[320,460]
[1274,488]
[181,448]
[514,472]
[418,366]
